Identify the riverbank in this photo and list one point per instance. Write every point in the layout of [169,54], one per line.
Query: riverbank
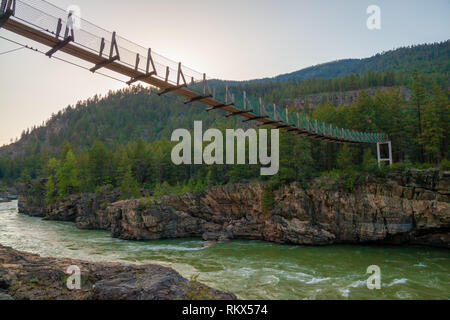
[8,195]
[26,276]
[250,269]
[409,207]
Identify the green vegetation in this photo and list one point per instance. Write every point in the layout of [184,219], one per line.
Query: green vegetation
[418,129]
[432,60]
[268,199]
[129,187]
[197,291]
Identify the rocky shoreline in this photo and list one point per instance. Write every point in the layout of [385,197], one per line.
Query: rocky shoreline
[8,196]
[26,276]
[411,207]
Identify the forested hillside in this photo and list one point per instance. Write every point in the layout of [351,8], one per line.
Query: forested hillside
[122,140]
[428,59]
[119,117]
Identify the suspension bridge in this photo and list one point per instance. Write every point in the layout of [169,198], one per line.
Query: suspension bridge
[63,31]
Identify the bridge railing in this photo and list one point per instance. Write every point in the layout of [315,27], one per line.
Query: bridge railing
[48,18]
[45,16]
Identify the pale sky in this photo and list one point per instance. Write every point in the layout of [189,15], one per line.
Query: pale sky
[227,39]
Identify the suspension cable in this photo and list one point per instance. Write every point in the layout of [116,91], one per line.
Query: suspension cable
[24,46]
[11,51]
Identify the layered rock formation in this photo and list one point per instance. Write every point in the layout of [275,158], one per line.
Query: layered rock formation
[32,198]
[26,276]
[408,208]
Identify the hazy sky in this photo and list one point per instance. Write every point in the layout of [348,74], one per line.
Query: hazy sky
[227,39]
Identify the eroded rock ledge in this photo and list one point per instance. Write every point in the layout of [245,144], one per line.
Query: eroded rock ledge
[26,276]
[411,207]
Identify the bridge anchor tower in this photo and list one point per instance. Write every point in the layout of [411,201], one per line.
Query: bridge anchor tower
[380,159]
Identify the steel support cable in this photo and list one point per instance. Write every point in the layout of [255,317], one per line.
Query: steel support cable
[24,46]
[50,18]
[189,72]
[88,33]
[11,51]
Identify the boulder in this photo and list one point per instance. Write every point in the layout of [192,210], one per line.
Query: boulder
[26,276]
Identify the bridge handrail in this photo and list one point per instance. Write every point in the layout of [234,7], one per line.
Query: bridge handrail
[48,18]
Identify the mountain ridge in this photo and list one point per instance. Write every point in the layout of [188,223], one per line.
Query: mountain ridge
[357,65]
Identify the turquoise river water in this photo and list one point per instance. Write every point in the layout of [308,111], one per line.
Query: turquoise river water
[250,269]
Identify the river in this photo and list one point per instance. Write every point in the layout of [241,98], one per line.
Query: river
[250,269]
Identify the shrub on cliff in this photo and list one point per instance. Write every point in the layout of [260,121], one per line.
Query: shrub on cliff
[445,164]
[268,199]
[344,158]
[50,191]
[197,291]
[369,164]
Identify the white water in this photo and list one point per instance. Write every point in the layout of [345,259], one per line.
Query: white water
[250,269]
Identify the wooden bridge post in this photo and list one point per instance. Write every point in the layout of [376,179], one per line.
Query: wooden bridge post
[206,86]
[180,75]
[226,94]
[8,9]
[9,5]
[69,27]
[6,5]
[167,74]
[261,107]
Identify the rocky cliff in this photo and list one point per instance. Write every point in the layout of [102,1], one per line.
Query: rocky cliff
[340,98]
[411,207]
[26,276]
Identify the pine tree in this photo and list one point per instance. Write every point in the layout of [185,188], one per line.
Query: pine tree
[440,99]
[199,186]
[418,99]
[161,189]
[432,133]
[67,176]
[369,164]
[434,125]
[99,165]
[50,191]
[267,200]
[129,187]
[344,158]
